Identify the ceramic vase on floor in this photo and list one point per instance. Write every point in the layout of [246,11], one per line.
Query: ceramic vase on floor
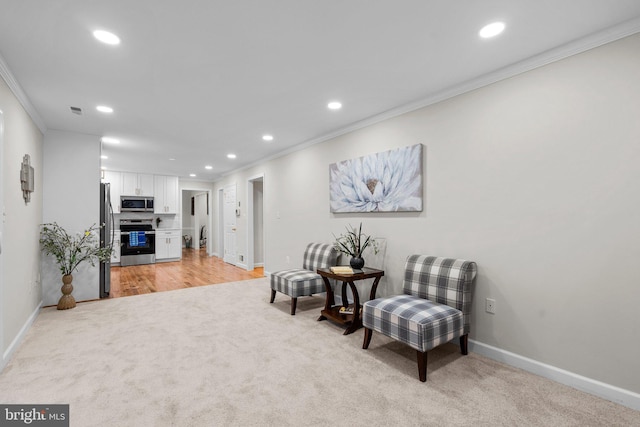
[66,300]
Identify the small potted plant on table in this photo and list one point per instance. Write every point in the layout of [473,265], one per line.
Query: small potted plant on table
[353,243]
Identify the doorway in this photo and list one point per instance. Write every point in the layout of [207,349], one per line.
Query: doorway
[255,222]
[196,220]
[201,220]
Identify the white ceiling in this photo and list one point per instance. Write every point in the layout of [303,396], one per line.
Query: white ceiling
[197,79]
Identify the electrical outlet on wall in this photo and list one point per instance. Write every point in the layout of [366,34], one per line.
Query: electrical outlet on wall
[490,306]
[288,260]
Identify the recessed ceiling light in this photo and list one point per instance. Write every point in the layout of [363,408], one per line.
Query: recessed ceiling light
[104,109]
[104,157]
[192,175]
[172,159]
[334,105]
[106,37]
[208,167]
[231,156]
[491,30]
[109,140]
[267,137]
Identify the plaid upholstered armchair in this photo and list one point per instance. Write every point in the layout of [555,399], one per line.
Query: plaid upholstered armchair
[304,281]
[433,310]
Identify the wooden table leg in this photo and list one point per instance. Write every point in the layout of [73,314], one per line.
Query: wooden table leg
[357,321]
[374,288]
[345,298]
[330,301]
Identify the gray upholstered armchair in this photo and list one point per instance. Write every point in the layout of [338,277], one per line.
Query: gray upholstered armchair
[433,310]
[304,281]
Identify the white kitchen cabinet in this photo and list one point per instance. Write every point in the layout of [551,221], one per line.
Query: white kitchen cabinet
[115,179]
[137,184]
[130,184]
[168,244]
[166,194]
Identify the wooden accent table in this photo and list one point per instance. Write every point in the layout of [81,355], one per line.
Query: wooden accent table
[332,311]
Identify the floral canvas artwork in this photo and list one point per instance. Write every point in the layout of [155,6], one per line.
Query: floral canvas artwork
[390,181]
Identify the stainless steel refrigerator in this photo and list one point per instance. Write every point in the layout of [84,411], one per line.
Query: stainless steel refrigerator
[106,237]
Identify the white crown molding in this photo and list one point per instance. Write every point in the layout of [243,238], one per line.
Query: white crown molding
[575,47]
[15,87]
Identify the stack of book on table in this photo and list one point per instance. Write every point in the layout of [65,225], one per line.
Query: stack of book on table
[346,310]
[344,269]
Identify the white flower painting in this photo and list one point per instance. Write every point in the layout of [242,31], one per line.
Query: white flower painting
[390,181]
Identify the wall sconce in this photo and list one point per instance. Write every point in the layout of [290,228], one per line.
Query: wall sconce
[26,178]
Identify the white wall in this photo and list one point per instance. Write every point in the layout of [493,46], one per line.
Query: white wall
[72,199]
[20,290]
[536,178]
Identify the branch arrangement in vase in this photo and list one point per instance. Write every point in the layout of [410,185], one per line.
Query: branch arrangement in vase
[71,250]
[354,242]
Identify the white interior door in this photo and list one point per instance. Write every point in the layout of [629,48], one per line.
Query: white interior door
[229,216]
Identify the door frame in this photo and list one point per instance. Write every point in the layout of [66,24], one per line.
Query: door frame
[250,219]
[198,221]
[2,361]
[209,219]
[221,223]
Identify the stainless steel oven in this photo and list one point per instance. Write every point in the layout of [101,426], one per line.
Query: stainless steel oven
[137,242]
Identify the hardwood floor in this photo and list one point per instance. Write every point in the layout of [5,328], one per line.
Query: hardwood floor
[195,269]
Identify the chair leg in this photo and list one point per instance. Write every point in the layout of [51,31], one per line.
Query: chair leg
[294,302]
[367,338]
[273,296]
[464,339]
[422,365]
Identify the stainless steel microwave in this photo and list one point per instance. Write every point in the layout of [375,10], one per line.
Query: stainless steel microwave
[136,204]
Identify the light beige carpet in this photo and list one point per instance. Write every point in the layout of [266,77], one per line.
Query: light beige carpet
[222,355]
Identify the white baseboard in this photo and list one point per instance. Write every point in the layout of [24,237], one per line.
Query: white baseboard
[597,388]
[19,338]
[245,266]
